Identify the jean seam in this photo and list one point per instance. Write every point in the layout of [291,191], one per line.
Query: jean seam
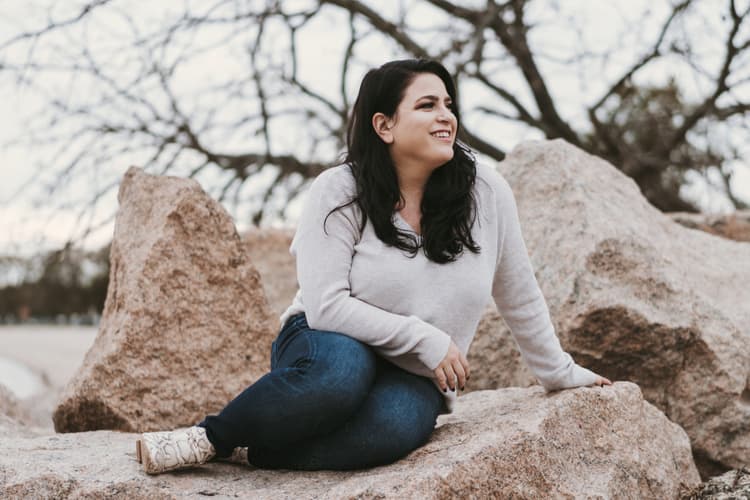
[312,348]
[273,355]
[277,344]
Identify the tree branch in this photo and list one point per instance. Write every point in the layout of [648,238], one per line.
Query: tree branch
[384,26]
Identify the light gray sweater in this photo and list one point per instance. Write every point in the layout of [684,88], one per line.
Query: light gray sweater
[409,309]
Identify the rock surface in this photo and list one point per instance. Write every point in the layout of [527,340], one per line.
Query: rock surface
[732,485]
[269,251]
[12,408]
[17,417]
[510,443]
[186,325]
[735,226]
[635,296]
[494,357]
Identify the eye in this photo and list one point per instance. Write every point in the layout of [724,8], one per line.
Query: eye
[426,105]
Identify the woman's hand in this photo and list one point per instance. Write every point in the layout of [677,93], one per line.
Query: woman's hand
[453,370]
[602,381]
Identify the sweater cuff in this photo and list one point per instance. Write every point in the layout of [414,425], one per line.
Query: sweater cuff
[578,376]
[434,348]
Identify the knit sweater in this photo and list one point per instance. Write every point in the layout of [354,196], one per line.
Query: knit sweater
[408,309]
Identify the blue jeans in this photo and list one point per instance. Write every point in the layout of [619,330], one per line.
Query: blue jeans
[329,402]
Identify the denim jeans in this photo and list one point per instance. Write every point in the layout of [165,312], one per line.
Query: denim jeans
[329,402]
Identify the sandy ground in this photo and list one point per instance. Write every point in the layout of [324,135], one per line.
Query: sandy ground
[54,352]
[36,362]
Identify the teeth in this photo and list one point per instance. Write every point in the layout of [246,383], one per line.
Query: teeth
[442,135]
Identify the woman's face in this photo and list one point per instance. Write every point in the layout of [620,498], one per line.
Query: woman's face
[423,129]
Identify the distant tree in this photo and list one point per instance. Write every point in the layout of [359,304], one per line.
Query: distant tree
[638,138]
[67,281]
[138,88]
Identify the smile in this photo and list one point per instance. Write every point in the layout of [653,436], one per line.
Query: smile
[441,134]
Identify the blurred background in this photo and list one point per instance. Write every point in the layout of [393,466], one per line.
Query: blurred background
[251,98]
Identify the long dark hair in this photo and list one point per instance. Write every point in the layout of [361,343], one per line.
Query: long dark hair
[448,205]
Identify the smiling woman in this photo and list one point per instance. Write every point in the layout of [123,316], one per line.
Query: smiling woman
[420,134]
[403,130]
[398,252]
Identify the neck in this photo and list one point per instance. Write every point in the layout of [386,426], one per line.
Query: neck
[411,182]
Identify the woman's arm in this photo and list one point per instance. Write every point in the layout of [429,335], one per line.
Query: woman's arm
[324,261]
[521,303]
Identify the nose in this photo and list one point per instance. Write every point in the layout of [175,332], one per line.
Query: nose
[445,115]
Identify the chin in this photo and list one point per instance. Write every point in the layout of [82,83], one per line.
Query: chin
[445,158]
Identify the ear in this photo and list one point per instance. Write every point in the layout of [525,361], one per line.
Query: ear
[382,125]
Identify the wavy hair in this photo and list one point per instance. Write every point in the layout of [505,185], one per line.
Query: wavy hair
[448,205]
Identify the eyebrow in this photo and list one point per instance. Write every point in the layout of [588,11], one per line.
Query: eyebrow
[434,98]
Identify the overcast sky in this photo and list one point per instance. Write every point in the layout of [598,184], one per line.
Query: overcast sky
[25,227]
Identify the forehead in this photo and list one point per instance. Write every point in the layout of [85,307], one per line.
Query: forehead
[425,84]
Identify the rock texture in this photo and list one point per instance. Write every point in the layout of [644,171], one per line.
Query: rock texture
[494,358]
[635,296]
[12,408]
[269,251]
[510,443]
[735,226]
[18,418]
[732,485]
[186,325]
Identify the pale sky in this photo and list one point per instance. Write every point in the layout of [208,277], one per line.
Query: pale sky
[26,227]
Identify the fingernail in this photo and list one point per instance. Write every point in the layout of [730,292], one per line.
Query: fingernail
[453,389]
[462,388]
[445,390]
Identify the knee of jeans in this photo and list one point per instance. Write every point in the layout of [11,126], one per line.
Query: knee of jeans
[409,420]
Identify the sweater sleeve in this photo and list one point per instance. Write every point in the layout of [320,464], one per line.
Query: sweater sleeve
[324,259]
[521,303]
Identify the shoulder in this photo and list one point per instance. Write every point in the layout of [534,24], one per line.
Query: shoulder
[333,187]
[491,186]
[339,177]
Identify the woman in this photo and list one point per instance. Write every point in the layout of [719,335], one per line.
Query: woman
[398,251]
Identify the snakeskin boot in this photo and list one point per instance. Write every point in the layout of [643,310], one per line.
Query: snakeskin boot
[164,451]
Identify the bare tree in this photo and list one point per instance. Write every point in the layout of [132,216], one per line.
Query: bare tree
[137,89]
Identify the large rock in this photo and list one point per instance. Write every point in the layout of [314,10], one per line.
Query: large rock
[510,443]
[494,358]
[732,485]
[13,409]
[186,325]
[269,251]
[18,418]
[735,226]
[635,296]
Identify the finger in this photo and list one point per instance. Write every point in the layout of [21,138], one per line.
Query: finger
[440,377]
[460,373]
[465,364]
[451,377]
